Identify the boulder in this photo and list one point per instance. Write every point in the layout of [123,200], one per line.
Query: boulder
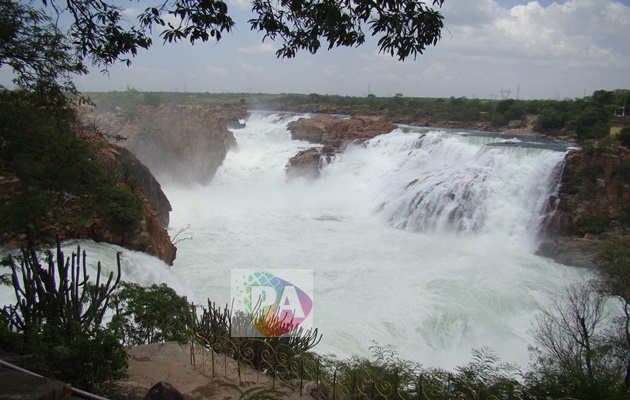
[164,391]
[150,236]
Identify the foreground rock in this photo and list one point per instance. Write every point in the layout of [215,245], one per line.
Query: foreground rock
[187,142]
[150,236]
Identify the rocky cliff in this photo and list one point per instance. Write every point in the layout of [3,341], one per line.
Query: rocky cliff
[186,142]
[75,217]
[593,204]
[150,236]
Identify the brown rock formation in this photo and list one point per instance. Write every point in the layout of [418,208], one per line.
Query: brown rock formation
[150,236]
[306,163]
[130,169]
[593,203]
[337,132]
[186,142]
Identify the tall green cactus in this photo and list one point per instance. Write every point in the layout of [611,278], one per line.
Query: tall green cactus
[59,296]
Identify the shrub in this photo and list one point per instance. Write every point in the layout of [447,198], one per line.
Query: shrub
[624,136]
[150,314]
[550,120]
[120,205]
[213,330]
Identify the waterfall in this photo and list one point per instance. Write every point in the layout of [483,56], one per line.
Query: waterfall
[421,238]
[439,182]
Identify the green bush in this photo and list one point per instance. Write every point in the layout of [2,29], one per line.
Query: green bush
[591,172]
[28,210]
[550,120]
[120,205]
[624,136]
[150,315]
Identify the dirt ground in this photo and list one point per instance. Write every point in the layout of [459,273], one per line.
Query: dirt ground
[172,363]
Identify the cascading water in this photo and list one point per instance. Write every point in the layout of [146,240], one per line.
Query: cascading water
[420,239]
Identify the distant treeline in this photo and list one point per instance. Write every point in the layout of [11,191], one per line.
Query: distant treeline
[590,117]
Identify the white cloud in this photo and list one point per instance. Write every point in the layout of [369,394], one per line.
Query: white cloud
[256,69]
[263,48]
[131,12]
[242,4]
[211,69]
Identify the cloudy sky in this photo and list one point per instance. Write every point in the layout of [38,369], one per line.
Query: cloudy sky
[536,49]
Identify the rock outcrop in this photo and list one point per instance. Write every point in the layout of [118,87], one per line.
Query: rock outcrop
[334,133]
[593,203]
[337,132]
[150,236]
[75,218]
[307,163]
[186,142]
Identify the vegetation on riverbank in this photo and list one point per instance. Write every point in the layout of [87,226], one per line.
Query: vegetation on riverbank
[582,338]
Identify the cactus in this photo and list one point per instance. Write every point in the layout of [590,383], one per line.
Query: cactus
[59,295]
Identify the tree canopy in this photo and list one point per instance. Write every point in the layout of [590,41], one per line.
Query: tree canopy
[43,51]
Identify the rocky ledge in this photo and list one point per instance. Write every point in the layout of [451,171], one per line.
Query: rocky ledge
[150,236]
[334,133]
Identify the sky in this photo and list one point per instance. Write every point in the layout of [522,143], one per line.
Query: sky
[489,49]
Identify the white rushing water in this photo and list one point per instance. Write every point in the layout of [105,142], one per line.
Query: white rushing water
[419,239]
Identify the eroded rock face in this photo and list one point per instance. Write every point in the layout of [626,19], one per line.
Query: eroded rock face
[593,203]
[337,132]
[150,236]
[186,142]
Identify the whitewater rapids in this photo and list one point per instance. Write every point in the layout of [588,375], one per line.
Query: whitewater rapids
[420,239]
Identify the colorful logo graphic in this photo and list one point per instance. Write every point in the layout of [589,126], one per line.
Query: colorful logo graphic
[271,305]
